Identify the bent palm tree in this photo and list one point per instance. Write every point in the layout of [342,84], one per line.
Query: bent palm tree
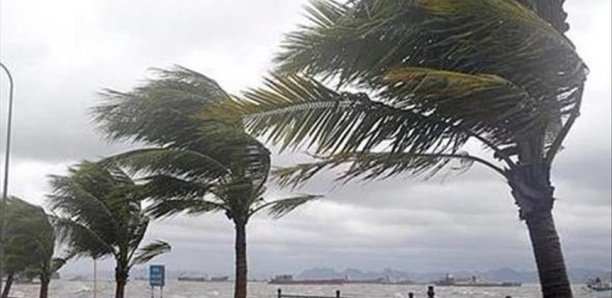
[438,74]
[20,243]
[193,166]
[30,245]
[101,214]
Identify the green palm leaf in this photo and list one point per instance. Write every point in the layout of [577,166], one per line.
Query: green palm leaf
[379,165]
[82,240]
[159,187]
[170,206]
[423,110]
[363,41]
[180,162]
[150,251]
[151,113]
[281,207]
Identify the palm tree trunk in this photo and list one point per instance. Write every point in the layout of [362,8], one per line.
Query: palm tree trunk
[121,277]
[7,286]
[533,193]
[240,286]
[549,257]
[44,288]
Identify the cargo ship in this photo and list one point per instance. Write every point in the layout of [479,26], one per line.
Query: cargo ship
[203,278]
[288,280]
[450,281]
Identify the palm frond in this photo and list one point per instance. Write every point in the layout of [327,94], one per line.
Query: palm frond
[160,187]
[378,165]
[282,207]
[58,263]
[294,111]
[171,161]
[471,101]
[152,112]
[150,251]
[362,41]
[169,207]
[81,240]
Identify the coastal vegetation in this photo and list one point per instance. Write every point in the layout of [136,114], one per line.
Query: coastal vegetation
[30,244]
[431,77]
[100,213]
[192,165]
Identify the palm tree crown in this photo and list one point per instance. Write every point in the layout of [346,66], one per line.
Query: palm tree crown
[101,214]
[435,74]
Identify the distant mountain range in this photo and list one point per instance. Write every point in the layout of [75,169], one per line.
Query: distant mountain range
[493,275]
[496,275]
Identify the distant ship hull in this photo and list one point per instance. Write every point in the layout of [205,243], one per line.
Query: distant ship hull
[501,284]
[473,282]
[191,278]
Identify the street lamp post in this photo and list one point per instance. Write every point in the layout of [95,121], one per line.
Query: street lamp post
[6,170]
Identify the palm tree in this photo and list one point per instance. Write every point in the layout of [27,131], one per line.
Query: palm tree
[434,75]
[30,245]
[100,213]
[192,166]
[19,241]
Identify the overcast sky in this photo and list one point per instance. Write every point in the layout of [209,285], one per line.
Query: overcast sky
[62,52]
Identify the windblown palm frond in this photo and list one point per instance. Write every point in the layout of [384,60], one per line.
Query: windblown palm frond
[81,240]
[168,206]
[295,111]
[281,207]
[58,263]
[180,162]
[422,111]
[150,251]
[165,186]
[377,165]
[364,40]
[151,113]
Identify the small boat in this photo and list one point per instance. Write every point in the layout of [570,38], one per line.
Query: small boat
[288,280]
[599,285]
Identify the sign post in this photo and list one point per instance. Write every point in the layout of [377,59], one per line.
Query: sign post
[157,278]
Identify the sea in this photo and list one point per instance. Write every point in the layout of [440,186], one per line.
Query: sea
[140,289]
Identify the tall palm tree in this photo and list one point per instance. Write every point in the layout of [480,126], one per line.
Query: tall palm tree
[192,165]
[434,75]
[100,213]
[30,245]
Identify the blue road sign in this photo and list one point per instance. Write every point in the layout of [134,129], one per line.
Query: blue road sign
[157,275]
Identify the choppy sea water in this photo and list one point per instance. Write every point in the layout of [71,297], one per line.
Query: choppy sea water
[140,289]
